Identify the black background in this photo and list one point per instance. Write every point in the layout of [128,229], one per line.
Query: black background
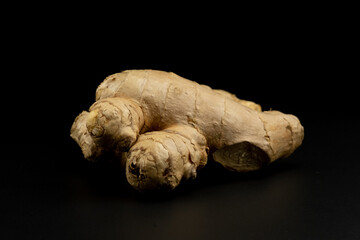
[300,65]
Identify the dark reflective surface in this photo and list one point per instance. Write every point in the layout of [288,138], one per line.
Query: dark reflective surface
[50,192]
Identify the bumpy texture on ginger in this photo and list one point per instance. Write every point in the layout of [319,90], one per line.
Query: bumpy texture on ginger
[162,128]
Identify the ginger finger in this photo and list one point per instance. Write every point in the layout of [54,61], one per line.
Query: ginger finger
[115,123]
[82,137]
[161,159]
[112,124]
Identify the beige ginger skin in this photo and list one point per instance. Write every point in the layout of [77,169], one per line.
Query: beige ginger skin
[162,127]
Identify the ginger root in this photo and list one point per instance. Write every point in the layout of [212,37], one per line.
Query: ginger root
[162,127]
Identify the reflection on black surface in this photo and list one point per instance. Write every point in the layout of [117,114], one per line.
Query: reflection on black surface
[50,191]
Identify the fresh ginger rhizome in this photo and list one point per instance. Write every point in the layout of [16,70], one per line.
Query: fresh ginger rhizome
[162,128]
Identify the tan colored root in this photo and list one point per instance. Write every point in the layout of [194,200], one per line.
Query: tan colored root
[82,137]
[167,123]
[111,125]
[161,159]
[115,123]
